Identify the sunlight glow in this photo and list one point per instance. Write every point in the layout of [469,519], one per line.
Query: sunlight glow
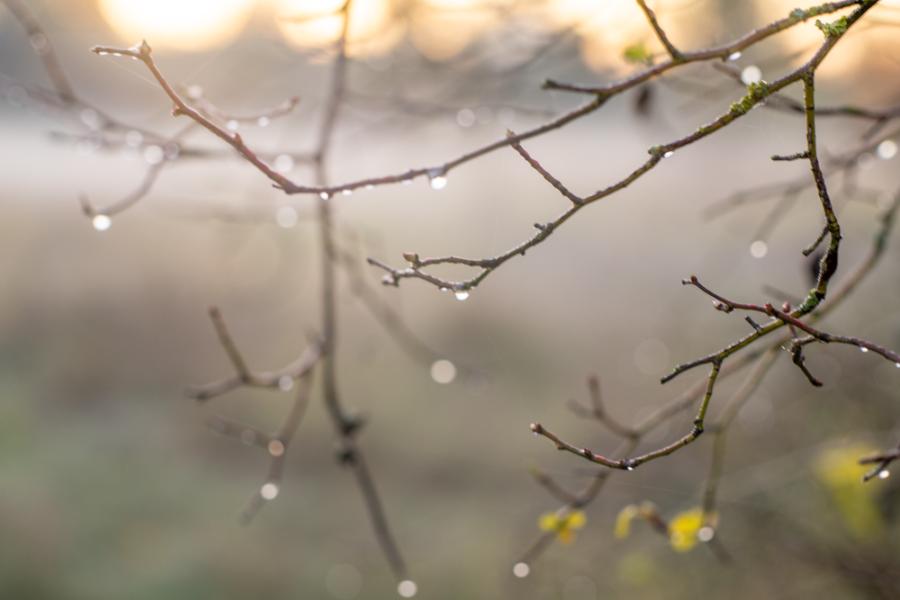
[179,24]
[315,24]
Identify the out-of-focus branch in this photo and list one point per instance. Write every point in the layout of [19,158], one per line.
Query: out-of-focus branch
[244,377]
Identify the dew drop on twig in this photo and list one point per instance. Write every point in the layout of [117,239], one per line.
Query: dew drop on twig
[443,371]
[759,249]
[284,163]
[886,150]
[101,222]
[276,448]
[407,588]
[286,382]
[438,182]
[751,74]
[269,491]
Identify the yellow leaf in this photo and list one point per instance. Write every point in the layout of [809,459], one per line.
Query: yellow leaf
[623,521]
[683,529]
[549,522]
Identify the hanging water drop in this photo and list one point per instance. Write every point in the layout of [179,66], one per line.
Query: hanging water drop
[886,150]
[884,474]
[153,154]
[346,192]
[269,491]
[521,569]
[863,349]
[443,371]
[668,154]
[284,163]
[232,125]
[461,295]
[262,121]
[276,448]
[285,382]
[438,182]
[751,74]
[324,195]
[407,588]
[759,249]
[734,55]
[101,222]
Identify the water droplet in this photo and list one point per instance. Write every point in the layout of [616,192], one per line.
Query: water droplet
[465,117]
[407,588]
[461,295]
[346,192]
[884,474]
[134,138]
[863,349]
[285,382]
[284,163]
[101,222]
[438,182]
[668,154]
[759,249]
[232,125]
[263,121]
[443,371]
[629,468]
[194,92]
[370,186]
[521,570]
[886,150]
[706,534]
[269,491]
[102,53]
[324,195]
[407,182]
[734,55]
[897,365]
[153,154]
[248,436]
[276,448]
[751,74]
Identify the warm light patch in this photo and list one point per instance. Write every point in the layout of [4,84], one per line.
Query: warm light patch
[179,24]
[312,24]
[442,29]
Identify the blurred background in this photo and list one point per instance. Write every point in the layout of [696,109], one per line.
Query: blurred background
[114,486]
